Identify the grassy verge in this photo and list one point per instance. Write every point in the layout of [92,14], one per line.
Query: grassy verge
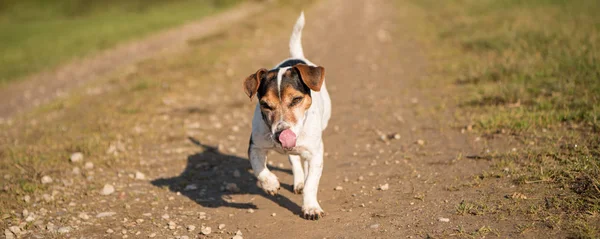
[38,35]
[531,70]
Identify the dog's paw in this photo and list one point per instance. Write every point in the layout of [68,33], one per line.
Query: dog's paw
[312,213]
[270,184]
[298,188]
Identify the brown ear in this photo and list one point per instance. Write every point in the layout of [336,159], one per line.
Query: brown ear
[253,81]
[312,76]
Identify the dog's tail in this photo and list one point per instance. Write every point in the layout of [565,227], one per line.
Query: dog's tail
[296,39]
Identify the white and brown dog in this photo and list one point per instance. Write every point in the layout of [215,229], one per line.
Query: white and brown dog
[292,111]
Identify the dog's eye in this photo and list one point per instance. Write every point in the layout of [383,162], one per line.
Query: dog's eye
[296,100]
[266,106]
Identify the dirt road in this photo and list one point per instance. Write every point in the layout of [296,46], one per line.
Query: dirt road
[385,130]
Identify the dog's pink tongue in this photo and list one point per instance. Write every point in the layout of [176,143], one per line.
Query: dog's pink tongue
[287,138]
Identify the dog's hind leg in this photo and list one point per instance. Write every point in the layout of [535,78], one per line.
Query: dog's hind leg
[296,162]
[266,179]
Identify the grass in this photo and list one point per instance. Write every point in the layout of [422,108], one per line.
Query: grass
[530,70]
[37,35]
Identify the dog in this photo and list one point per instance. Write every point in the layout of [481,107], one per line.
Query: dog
[292,111]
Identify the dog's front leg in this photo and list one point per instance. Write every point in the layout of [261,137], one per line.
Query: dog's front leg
[310,207]
[299,178]
[266,179]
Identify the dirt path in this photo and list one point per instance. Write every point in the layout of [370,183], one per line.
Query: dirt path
[43,87]
[373,72]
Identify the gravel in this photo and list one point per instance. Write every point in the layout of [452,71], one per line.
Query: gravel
[443,219]
[84,216]
[8,234]
[338,188]
[384,187]
[374,226]
[172,225]
[221,226]
[140,176]
[46,180]
[64,230]
[105,214]
[76,157]
[191,228]
[88,165]
[109,231]
[206,230]
[108,189]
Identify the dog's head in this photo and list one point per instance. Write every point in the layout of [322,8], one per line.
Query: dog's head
[284,98]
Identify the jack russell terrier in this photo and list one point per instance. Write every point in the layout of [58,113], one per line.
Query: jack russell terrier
[292,111]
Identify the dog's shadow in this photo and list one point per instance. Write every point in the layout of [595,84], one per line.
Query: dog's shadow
[209,178]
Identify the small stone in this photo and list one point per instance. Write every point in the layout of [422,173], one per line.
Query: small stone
[190,187]
[76,157]
[236,174]
[232,187]
[421,142]
[105,214]
[8,234]
[27,198]
[152,235]
[338,188]
[76,171]
[443,219]
[46,180]
[360,178]
[165,216]
[191,228]
[250,210]
[362,205]
[64,230]
[109,231]
[47,197]
[384,187]
[16,230]
[238,233]
[184,237]
[88,165]
[374,226]
[346,179]
[206,230]
[221,226]
[396,136]
[84,216]
[172,225]
[274,214]
[140,176]
[30,217]
[108,189]
[237,237]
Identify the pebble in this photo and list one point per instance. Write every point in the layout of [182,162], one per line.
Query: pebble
[109,231]
[238,233]
[47,197]
[360,178]
[338,188]
[64,230]
[76,157]
[184,237]
[236,174]
[140,176]
[46,179]
[8,234]
[237,237]
[374,226]
[84,216]
[108,189]
[165,216]
[206,230]
[420,142]
[76,170]
[190,187]
[384,187]
[250,210]
[172,225]
[274,214]
[443,219]
[221,226]
[15,229]
[152,235]
[191,228]
[88,165]
[105,214]
[27,198]
[232,187]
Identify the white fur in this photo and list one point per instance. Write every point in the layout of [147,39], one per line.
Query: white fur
[309,144]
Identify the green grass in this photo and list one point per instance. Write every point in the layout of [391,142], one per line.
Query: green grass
[530,70]
[37,35]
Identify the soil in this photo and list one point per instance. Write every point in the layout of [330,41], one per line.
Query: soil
[385,129]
